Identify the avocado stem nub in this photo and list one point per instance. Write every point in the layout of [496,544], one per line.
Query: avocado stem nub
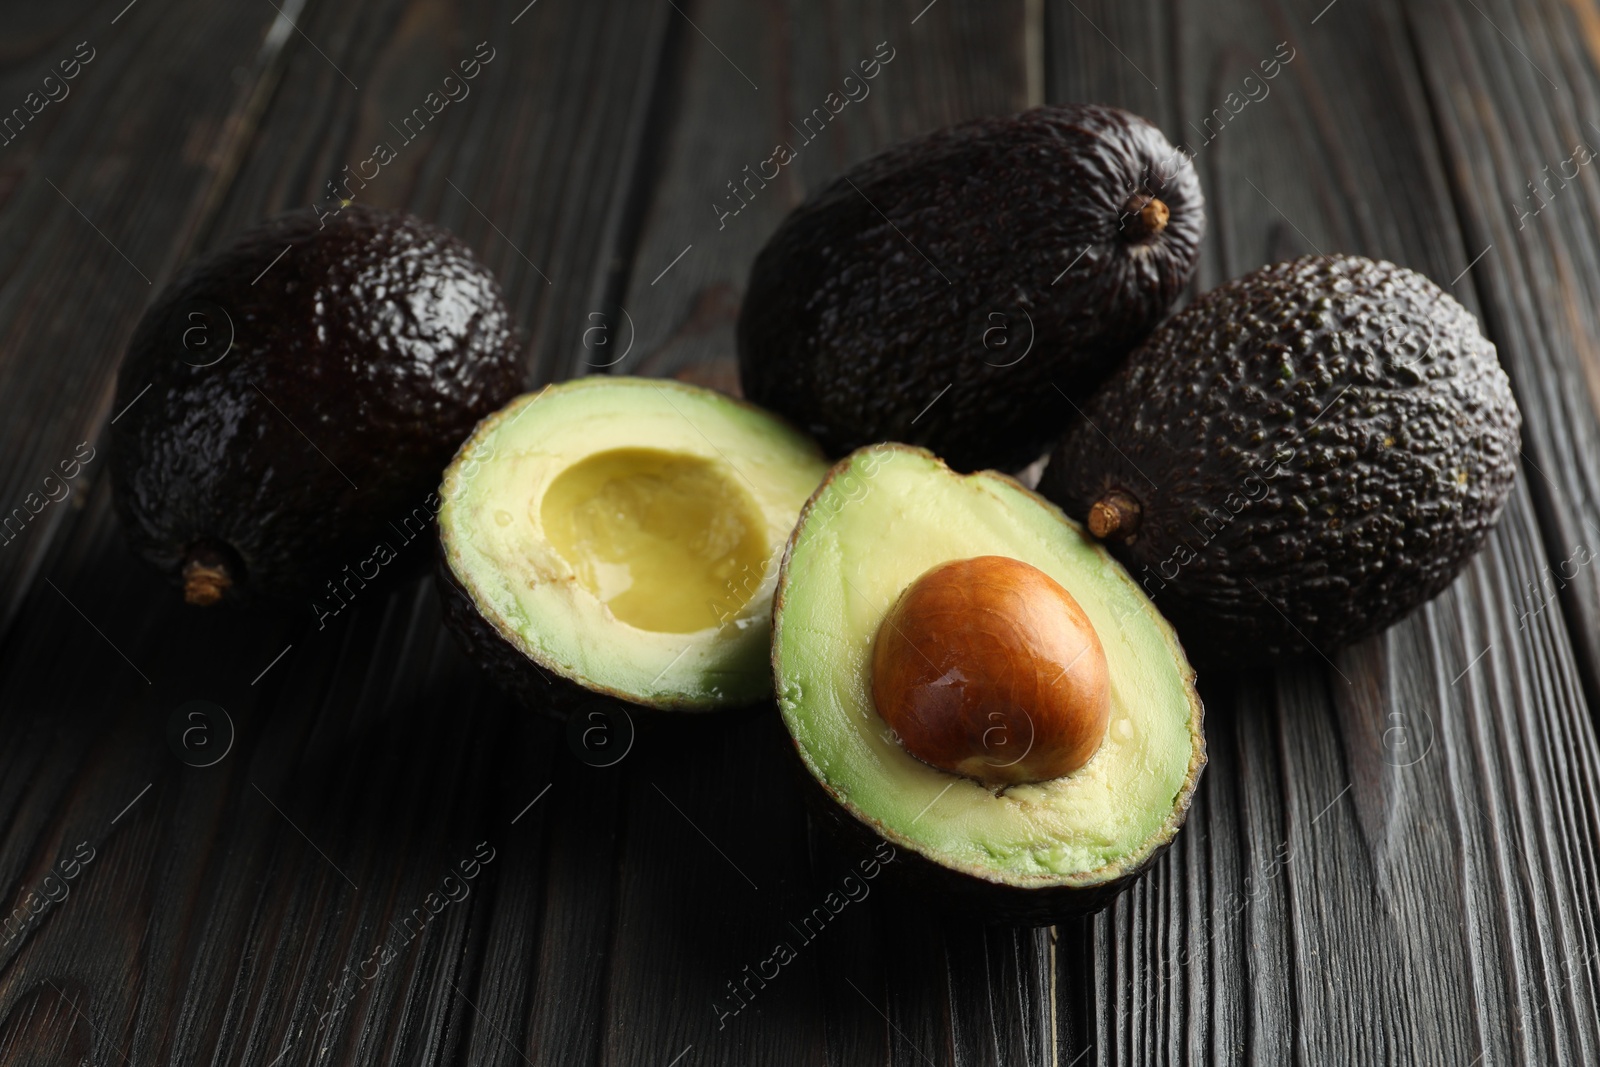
[1116,514]
[205,579]
[1145,215]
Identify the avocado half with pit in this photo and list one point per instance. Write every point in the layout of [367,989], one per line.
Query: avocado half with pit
[621,536]
[967,675]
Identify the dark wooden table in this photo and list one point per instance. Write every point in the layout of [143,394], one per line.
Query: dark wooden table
[1392,858]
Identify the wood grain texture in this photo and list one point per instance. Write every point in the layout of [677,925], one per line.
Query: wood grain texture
[892,983]
[370,759]
[99,195]
[227,919]
[1515,93]
[956,62]
[1391,859]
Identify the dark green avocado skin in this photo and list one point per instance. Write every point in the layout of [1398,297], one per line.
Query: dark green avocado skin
[1316,449]
[363,349]
[987,265]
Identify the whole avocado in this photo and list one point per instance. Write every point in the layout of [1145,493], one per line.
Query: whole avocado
[935,293]
[287,404]
[1298,459]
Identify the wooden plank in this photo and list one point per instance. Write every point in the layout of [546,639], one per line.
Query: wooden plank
[86,235]
[1392,856]
[1447,902]
[892,983]
[233,911]
[957,61]
[1529,204]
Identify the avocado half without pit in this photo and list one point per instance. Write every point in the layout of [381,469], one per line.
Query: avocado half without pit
[968,676]
[621,536]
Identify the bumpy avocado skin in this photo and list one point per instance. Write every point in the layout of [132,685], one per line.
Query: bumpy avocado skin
[363,349]
[1316,449]
[986,265]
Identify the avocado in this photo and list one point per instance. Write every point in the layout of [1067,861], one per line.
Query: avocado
[286,405]
[898,558]
[1298,459]
[941,292]
[621,536]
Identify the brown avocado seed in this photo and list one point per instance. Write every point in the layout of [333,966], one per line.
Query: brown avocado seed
[987,668]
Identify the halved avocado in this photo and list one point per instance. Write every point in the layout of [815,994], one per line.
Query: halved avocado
[621,536]
[886,517]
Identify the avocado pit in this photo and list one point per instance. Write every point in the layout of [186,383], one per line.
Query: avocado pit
[987,668]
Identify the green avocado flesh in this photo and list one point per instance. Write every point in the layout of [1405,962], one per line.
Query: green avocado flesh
[885,516]
[624,533]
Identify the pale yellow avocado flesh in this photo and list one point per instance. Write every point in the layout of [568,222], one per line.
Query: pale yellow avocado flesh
[625,533]
[661,538]
[886,515]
